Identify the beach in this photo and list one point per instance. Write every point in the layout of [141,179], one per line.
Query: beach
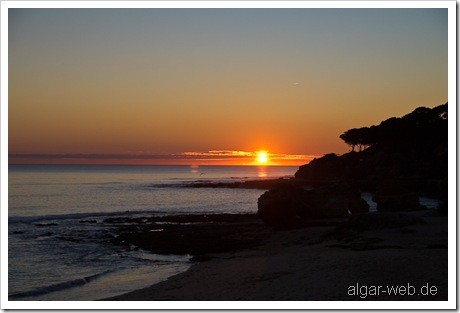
[399,256]
[278,151]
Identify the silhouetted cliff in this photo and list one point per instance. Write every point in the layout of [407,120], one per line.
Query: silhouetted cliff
[411,150]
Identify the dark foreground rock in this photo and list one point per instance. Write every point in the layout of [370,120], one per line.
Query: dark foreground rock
[289,205]
[193,234]
[196,235]
[392,196]
[195,239]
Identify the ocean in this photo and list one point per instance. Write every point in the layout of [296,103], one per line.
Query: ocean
[58,247]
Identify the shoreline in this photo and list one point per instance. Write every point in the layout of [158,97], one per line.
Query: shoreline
[318,263]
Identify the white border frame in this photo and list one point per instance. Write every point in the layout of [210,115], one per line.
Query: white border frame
[271,305]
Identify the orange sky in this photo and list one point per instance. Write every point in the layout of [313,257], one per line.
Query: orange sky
[129,84]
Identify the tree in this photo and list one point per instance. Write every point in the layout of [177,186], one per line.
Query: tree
[414,131]
[361,137]
[350,138]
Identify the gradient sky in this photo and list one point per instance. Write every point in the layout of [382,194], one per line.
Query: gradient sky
[163,82]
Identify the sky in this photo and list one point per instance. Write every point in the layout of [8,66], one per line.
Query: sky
[213,86]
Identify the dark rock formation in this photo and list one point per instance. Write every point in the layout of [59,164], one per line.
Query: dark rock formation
[364,222]
[196,234]
[328,168]
[46,224]
[281,205]
[357,205]
[411,149]
[403,158]
[391,196]
[288,205]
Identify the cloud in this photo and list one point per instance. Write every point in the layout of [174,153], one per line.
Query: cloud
[220,153]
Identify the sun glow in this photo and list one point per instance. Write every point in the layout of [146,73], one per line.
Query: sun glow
[262,157]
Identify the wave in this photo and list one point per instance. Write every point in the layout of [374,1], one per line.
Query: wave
[34,219]
[159,185]
[57,287]
[92,215]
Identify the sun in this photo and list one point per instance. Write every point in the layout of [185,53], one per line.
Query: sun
[262,157]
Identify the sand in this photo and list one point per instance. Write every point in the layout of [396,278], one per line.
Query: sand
[310,264]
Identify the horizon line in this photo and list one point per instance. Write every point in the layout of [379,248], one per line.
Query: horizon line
[212,157]
[133,164]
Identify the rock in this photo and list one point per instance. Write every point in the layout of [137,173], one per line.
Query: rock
[194,239]
[357,205]
[323,203]
[201,258]
[46,224]
[443,197]
[392,196]
[411,148]
[383,220]
[280,205]
[287,204]
[249,184]
[326,168]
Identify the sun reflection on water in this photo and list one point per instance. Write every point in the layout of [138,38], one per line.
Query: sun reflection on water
[261,172]
[194,168]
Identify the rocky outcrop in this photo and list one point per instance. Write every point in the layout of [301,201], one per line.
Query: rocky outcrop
[381,221]
[196,235]
[411,149]
[281,205]
[328,168]
[332,168]
[357,205]
[288,205]
[392,196]
[248,184]
[399,160]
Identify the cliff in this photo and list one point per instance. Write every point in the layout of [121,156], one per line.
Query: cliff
[410,150]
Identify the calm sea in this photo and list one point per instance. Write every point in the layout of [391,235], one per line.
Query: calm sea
[58,247]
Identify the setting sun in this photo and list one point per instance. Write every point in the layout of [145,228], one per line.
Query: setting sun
[262,156]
